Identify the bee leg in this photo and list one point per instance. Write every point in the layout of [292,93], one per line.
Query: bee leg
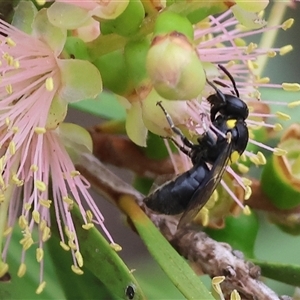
[175,129]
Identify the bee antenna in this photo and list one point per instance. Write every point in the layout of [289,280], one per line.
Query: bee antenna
[231,79]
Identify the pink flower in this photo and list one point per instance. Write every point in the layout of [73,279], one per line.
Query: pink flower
[36,171]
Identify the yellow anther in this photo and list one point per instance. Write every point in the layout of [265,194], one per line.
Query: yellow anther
[204,216]
[294,104]
[263,80]
[12,148]
[45,203]
[291,87]
[87,226]
[240,42]
[40,288]
[36,216]
[64,246]
[115,247]
[3,269]
[217,280]
[27,242]
[68,200]
[234,156]
[243,157]
[34,168]
[27,206]
[16,180]
[39,254]
[251,47]
[89,215]
[76,270]
[279,152]
[16,64]
[15,129]
[248,192]
[277,127]
[21,270]
[216,283]
[75,173]
[72,245]
[40,185]
[22,222]
[49,84]
[287,24]
[7,231]
[242,168]
[286,49]
[247,210]
[46,234]
[79,258]
[255,160]
[9,89]
[40,130]
[246,181]
[40,2]
[235,295]
[271,54]
[283,116]
[10,42]
[261,158]
[42,225]
[7,121]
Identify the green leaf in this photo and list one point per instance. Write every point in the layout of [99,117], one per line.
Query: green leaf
[176,268]
[85,286]
[286,273]
[105,105]
[104,262]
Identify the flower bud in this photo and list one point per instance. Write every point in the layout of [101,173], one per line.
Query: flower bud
[168,22]
[114,73]
[280,179]
[174,67]
[135,54]
[128,22]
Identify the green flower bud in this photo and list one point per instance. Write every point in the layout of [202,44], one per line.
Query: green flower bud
[114,73]
[135,53]
[280,179]
[128,22]
[174,67]
[168,22]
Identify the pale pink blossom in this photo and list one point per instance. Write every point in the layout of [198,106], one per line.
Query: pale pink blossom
[36,171]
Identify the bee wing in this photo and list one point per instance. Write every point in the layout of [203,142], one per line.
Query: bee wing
[207,187]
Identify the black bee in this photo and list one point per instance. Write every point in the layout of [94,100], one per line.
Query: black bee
[220,145]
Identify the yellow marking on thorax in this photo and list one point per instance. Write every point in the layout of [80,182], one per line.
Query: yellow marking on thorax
[231,123]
